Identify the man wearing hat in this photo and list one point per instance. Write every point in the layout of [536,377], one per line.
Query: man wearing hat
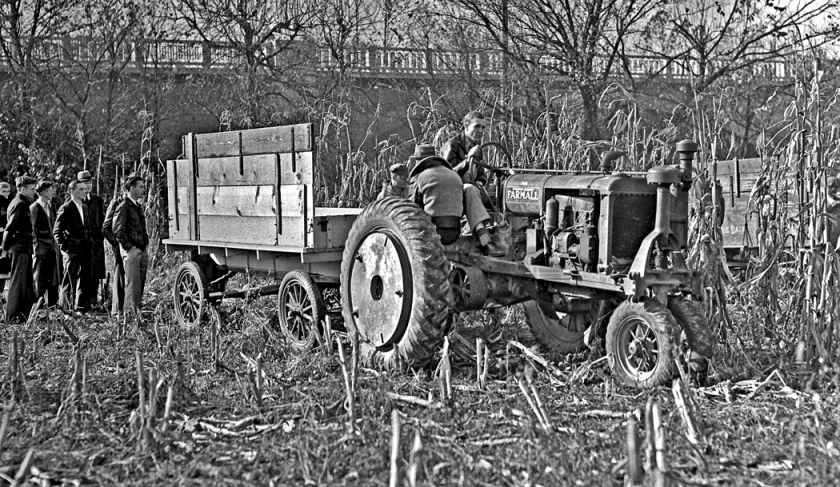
[17,243]
[398,186]
[73,238]
[130,231]
[440,191]
[96,209]
[47,257]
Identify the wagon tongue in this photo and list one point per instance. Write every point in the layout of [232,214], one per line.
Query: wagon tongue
[380,290]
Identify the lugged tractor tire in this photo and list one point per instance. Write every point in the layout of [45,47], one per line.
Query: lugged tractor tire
[559,335]
[394,285]
[641,343]
[699,336]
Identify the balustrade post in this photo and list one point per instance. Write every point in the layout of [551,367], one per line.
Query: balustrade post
[206,56]
[140,53]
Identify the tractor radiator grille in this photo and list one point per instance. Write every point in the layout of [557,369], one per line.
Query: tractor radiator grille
[633,219]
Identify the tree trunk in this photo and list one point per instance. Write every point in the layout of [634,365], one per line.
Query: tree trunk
[591,127]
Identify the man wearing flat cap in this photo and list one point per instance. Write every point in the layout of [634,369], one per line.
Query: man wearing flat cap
[17,243]
[96,209]
[73,238]
[130,231]
[47,257]
[439,190]
[398,185]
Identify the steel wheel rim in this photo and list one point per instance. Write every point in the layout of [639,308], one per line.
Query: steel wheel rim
[381,289]
[190,300]
[638,348]
[297,311]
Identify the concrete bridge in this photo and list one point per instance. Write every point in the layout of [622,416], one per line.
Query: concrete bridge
[190,57]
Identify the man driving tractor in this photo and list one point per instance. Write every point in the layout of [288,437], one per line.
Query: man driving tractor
[440,191]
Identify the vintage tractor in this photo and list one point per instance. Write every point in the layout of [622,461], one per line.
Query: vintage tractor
[584,250]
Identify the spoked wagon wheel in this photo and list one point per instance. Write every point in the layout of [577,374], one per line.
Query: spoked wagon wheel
[190,294]
[641,339]
[393,284]
[300,309]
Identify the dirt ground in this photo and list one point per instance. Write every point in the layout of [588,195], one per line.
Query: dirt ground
[76,416]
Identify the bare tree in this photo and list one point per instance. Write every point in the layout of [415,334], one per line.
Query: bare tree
[578,39]
[710,39]
[261,34]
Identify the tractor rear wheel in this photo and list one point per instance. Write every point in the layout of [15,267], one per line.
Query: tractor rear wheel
[641,339]
[394,284]
[560,333]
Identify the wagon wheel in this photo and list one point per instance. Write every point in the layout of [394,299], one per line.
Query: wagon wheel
[300,309]
[190,294]
[393,284]
[641,341]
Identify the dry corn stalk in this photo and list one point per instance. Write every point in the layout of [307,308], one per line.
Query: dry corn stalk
[415,461]
[533,400]
[635,474]
[444,374]
[685,405]
[25,467]
[395,447]
[5,423]
[348,386]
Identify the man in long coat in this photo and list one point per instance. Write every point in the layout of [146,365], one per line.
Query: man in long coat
[96,208]
[5,199]
[117,272]
[71,233]
[17,244]
[47,270]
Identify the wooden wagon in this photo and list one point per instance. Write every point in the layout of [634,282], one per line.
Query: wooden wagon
[244,201]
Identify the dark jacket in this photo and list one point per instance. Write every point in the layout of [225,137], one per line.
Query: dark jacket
[455,152]
[18,234]
[4,206]
[70,232]
[130,225]
[42,226]
[108,224]
[96,208]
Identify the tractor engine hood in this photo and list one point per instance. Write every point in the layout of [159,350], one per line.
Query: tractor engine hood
[526,193]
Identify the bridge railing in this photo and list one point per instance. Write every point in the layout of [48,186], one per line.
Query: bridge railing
[360,61]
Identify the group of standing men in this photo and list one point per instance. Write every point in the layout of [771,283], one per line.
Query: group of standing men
[60,255]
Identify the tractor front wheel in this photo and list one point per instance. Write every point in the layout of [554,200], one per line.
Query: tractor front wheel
[641,341]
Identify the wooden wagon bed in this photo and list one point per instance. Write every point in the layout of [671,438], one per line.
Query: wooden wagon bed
[246,199]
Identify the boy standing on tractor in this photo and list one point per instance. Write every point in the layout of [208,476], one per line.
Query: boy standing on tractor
[460,151]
